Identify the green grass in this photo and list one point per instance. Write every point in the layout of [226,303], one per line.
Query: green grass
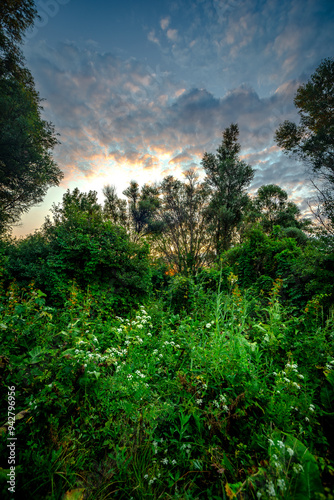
[227,399]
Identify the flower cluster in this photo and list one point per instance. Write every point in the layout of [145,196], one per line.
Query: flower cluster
[221,403]
[284,379]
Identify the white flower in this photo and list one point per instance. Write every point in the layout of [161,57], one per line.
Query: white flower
[271,442]
[280,444]
[146,476]
[281,484]
[208,325]
[307,419]
[164,461]
[199,401]
[173,462]
[275,374]
[149,334]
[259,494]
[140,327]
[300,376]
[297,468]
[290,451]
[271,489]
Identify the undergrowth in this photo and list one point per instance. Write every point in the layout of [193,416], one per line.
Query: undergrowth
[225,399]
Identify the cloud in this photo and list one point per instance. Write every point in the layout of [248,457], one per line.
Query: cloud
[164,22]
[118,115]
[172,35]
[152,37]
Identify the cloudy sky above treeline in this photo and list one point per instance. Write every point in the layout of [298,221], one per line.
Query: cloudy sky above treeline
[140,90]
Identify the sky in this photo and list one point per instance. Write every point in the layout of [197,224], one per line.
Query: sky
[139,90]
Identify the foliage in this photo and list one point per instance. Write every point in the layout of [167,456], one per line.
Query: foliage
[79,244]
[227,178]
[313,139]
[215,404]
[27,168]
[271,208]
[261,259]
[183,242]
[16,16]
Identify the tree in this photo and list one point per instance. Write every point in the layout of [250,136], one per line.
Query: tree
[138,213]
[16,16]
[227,177]
[79,244]
[312,141]
[27,168]
[114,208]
[183,240]
[273,208]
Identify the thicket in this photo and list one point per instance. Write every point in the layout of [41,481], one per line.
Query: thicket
[178,344]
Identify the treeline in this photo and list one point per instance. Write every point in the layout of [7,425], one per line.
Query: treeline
[176,233]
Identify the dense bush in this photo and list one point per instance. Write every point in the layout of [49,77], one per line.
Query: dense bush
[305,267]
[88,250]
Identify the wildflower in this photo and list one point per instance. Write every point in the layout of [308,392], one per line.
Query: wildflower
[300,376]
[149,334]
[146,476]
[222,398]
[290,451]
[274,457]
[297,468]
[259,494]
[164,461]
[271,489]
[287,380]
[280,444]
[271,442]
[312,407]
[208,325]
[216,403]
[307,419]
[119,330]
[296,385]
[281,484]
[275,374]
[140,326]
[199,401]
[225,408]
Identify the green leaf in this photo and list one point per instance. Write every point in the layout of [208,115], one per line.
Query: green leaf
[307,483]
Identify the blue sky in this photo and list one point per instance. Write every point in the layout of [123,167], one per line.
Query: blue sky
[140,90]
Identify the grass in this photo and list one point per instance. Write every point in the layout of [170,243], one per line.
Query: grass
[228,399]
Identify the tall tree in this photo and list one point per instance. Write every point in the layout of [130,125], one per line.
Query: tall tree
[273,208]
[27,168]
[312,140]
[227,177]
[16,16]
[184,241]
